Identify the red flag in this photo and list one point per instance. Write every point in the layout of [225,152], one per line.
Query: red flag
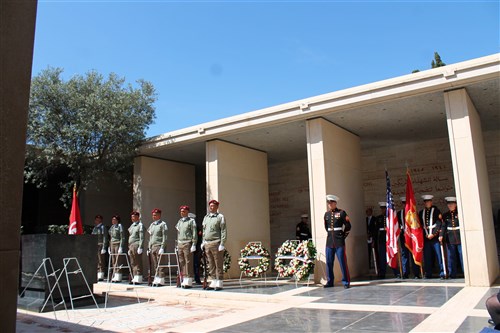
[392,234]
[414,237]
[75,221]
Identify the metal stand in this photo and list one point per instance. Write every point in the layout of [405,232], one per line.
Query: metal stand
[77,271]
[170,264]
[112,269]
[49,273]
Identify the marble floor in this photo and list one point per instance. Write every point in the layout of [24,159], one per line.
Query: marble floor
[268,306]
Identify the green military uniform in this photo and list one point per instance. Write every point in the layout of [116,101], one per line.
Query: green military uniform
[135,243]
[214,238]
[157,244]
[116,240]
[102,245]
[186,242]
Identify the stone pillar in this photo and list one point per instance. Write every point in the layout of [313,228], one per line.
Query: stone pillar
[334,157]
[17,33]
[238,178]
[165,185]
[472,190]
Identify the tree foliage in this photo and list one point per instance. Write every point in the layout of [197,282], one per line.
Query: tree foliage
[87,125]
[437,61]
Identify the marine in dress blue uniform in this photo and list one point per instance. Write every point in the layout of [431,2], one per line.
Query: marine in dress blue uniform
[431,217]
[450,231]
[337,225]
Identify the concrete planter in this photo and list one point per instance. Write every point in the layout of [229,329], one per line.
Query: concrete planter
[36,247]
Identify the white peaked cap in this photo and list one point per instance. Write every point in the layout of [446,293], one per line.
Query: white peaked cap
[427,197]
[331,197]
[450,199]
[382,204]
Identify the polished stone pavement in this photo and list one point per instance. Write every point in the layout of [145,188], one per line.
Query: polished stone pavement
[267,306]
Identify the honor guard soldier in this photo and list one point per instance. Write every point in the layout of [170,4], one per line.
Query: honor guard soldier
[135,246]
[116,240]
[302,231]
[405,253]
[381,240]
[186,245]
[102,245]
[450,231]
[214,238]
[337,225]
[431,217]
[370,232]
[157,244]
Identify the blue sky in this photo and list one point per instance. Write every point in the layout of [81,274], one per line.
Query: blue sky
[213,59]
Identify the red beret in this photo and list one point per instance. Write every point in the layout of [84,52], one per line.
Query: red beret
[135,213]
[156,211]
[184,208]
[213,202]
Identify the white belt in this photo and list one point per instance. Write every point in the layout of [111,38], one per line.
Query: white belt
[453,228]
[431,226]
[337,229]
[381,229]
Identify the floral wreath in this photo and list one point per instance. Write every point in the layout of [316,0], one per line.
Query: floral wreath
[254,249]
[286,249]
[226,266]
[300,268]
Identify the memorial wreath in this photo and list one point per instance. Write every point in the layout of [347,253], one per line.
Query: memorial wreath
[250,250]
[281,265]
[302,265]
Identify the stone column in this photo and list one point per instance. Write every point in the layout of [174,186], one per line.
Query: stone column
[17,32]
[334,157]
[238,178]
[165,185]
[472,190]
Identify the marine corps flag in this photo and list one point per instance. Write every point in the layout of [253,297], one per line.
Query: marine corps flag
[414,237]
[75,221]
[392,234]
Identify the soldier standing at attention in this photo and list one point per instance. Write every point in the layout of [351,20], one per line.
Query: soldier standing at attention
[214,238]
[431,222]
[102,245]
[370,232]
[405,253]
[135,246]
[186,243]
[157,244]
[303,232]
[116,236]
[337,225]
[451,232]
[381,240]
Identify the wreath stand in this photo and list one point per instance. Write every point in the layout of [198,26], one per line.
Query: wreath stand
[292,257]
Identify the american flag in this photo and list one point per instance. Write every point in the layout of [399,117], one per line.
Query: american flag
[393,231]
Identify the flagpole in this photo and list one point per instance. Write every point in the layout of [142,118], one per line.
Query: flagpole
[399,258]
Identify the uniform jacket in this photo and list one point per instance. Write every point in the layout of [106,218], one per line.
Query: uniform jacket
[431,221]
[158,234]
[186,230]
[136,234]
[116,234]
[450,229]
[102,235]
[302,232]
[381,228]
[214,228]
[337,225]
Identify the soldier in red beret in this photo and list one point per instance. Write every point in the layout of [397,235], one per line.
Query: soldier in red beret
[157,244]
[135,246]
[102,244]
[186,245]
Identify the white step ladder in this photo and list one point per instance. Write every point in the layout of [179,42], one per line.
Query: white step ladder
[113,269]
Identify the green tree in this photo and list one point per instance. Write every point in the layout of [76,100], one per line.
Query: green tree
[88,125]
[437,62]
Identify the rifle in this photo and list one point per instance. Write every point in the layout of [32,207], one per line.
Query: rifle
[443,260]
[375,264]
[179,273]
[150,282]
[205,268]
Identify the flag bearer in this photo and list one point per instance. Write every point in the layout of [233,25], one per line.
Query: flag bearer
[431,217]
[381,242]
[450,231]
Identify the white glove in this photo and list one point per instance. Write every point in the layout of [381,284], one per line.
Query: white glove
[221,248]
[109,250]
[330,229]
[202,245]
[129,252]
[103,251]
[139,251]
[120,251]
[161,251]
[148,252]
[193,248]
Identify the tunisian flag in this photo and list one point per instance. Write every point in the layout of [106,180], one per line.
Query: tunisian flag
[392,234]
[414,237]
[75,221]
